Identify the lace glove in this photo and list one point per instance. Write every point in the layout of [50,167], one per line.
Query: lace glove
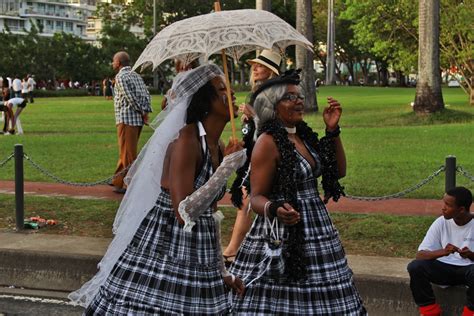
[196,203]
[218,217]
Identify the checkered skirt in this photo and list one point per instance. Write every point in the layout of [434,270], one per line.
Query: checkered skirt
[165,270]
[328,288]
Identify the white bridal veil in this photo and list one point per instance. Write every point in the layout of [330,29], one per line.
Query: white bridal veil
[145,175]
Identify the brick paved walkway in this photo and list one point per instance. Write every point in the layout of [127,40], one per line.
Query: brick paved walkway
[392,206]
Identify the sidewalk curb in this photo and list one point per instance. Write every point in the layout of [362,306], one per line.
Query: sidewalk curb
[382,293]
[36,302]
[45,270]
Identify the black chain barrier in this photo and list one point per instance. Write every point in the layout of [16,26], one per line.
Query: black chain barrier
[461,170]
[4,162]
[401,193]
[415,187]
[78,184]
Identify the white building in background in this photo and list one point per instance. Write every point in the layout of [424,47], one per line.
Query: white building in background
[68,16]
[94,25]
[75,17]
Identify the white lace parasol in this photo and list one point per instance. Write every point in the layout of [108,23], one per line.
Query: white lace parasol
[236,31]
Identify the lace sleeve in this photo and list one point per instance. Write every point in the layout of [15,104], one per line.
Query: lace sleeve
[193,205]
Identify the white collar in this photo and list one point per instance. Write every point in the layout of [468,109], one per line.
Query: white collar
[291,130]
[202,135]
[202,131]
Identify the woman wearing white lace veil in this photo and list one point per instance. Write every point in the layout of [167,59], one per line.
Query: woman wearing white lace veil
[153,265]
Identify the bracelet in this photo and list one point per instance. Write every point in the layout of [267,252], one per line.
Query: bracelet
[334,133]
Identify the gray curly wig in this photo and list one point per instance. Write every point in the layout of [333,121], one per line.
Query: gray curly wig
[265,103]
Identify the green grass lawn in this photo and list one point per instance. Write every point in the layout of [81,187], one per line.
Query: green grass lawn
[388,147]
[376,234]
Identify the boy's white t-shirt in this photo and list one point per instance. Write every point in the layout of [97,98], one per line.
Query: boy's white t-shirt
[444,231]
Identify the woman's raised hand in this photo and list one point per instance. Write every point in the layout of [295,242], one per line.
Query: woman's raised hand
[233,146]
[332,113]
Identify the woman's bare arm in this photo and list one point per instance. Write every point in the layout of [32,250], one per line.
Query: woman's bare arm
[263,166]
[184,161]
[340,157]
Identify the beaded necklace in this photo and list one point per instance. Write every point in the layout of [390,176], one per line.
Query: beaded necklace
[285,185]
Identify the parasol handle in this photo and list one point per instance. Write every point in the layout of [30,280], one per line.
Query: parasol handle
[217,7]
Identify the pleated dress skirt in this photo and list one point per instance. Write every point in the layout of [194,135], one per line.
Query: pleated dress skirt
[165,270]
[328,287]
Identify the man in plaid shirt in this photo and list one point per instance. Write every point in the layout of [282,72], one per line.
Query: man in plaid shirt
[132,105]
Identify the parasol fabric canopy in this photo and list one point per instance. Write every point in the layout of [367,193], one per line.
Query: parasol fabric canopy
[236,31]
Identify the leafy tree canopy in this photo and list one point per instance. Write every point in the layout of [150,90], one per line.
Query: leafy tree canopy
[389,30]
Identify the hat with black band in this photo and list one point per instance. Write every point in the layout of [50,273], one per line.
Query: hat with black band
[269,59]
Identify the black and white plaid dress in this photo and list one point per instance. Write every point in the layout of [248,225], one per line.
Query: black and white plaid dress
[328,288]
[165,270]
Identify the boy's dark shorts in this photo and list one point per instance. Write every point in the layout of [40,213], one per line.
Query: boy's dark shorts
[23,104]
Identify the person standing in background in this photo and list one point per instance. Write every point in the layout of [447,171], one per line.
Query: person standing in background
[31,87]
[24,88]
[132,104]
[9,85]
[16,86]
[107,88]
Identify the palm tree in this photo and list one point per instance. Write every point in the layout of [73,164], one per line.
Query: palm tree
[428,98]
[304,57]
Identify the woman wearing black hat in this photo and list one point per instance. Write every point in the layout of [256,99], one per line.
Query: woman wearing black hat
[292,260]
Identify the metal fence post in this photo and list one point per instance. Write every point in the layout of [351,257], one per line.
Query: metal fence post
[450,173]
[19,187]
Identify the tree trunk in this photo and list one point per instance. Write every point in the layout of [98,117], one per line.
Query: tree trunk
[400,78]
[350,66]
[304,57]
[330,46]
[242,73]
[471,100]
[365,67]
[263,5]
[429,97]
[383,73]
